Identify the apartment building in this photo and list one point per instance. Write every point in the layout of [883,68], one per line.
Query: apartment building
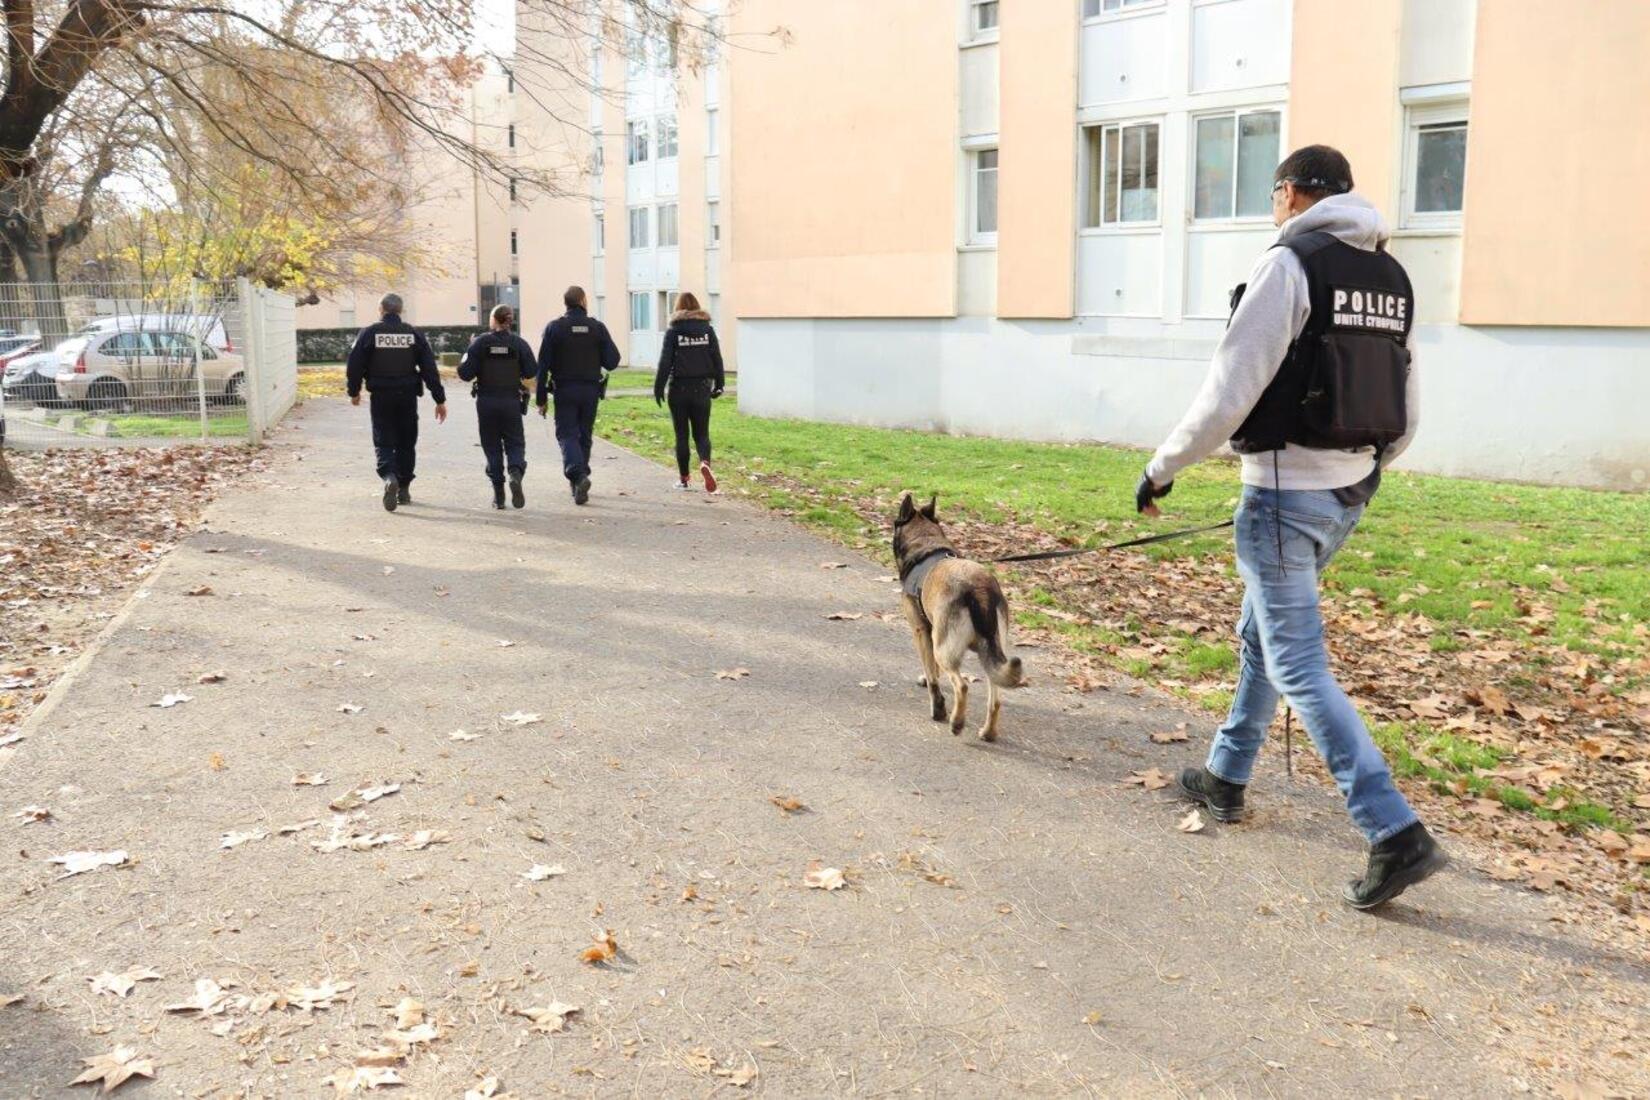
[1023,217]
[630,121]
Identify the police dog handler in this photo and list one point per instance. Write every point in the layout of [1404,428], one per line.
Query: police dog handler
[1314,386]
[574,358]
[690,364]
[497,363]
[395,363]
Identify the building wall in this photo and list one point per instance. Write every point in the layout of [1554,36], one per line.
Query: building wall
[1148,265]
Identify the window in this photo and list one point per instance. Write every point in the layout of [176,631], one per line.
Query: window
[667,226]
[512,242]
[636,141]
[713,224]
[1120,163]
[982,17]
[713,39]
[1435,154]
[346,316]
[1236,155]
[714,306]
[598,159]
[982,220]
[600,235]
[1092,8]
[667,137]
[665,299]
[512,190]
[510,135]
[711,144]
[638,227]
[601,306]
[510,81]
[635,51]
[641,318]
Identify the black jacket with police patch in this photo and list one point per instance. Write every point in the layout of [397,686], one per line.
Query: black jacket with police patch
[420,358]
[576,348]
[690,351]
[500,362]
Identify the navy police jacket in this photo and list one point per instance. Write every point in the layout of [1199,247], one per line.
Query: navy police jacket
[576,348]
[390,356]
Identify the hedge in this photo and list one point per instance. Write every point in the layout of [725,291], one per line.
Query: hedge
[331,345]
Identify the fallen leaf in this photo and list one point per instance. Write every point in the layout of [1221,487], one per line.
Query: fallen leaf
[485,1089]
[1093,1019]
[833,565]
[787,803]
[350,708]
[521,718]
[212,678]
[503,644]
[388,570]
[309,779]
[171,700]
[235,840]
[361,795]
[551,1018]
[867,683]
[215,762]
[1192,822]
[118,985]
[9,999]
[823,878]
[539,872]
[1152,779]
[203,590]
[111,1070]
[77,863]
[460,735]
[845,616]
[409,1013]
[310,998]
[209,999]
[405,1039]
[605,949]
[1169,737]
[742,1076]
[32,815]
[423,838]
[357,1078]
[10,739]
[733,674]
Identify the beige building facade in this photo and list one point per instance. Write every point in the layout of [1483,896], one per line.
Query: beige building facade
[1023,217]
[630,123]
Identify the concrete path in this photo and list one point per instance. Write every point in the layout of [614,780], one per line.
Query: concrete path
[1015,920]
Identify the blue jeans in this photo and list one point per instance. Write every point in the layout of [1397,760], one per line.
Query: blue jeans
[1283,653]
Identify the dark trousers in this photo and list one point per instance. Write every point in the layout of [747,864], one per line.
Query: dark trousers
[690,410]
[576,425]
[395,432]
[502,439]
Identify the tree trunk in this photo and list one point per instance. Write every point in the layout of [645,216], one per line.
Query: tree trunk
[8,480]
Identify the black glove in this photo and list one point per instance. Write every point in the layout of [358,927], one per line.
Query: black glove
[601,389]
[1146,492]
[659,398]
[717,392]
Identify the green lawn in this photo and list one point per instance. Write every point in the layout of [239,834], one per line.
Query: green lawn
[220,423]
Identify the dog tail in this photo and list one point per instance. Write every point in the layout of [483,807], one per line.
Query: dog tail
[990,618]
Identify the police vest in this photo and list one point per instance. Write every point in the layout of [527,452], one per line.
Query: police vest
[579,355]
[1341,385]
[500,369]
[394,357]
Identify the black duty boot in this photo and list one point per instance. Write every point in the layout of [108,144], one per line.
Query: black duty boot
[1224,800]
[498,496]
[581,491]
[392,491]
[403,495]
[517,497]
[1395,864]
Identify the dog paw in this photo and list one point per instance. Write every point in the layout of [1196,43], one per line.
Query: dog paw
[988,735]
[956,729]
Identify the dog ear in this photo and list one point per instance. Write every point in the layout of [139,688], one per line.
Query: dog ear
[907,510]
[928,509]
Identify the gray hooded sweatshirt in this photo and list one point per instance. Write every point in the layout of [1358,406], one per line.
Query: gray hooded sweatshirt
[1271,315]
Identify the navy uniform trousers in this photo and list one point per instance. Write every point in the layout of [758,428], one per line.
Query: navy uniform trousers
[395,432]
[502,438]
[576,425]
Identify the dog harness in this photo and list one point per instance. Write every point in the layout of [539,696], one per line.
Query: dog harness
[911,583]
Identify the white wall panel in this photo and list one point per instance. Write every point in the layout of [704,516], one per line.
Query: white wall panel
[1437,46]
[978,89]
[713,177]
[1120,274]
[641,266]
[977,282]
[1124,59]
[1240,44]
[665,177]
[1434,267]
[1216,261]
[713,271]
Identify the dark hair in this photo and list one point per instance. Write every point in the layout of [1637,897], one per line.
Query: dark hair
[573,297]
[502,315]
[686,302]
[1317,170]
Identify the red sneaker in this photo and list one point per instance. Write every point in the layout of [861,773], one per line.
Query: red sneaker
[710,478]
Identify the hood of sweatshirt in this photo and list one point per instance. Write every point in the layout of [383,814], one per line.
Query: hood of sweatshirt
[1350,217]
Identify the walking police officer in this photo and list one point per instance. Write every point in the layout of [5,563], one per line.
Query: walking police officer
[395,363]
[574,359]
[498,362]
[1314,385]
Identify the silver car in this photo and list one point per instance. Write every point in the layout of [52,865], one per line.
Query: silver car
[122,371]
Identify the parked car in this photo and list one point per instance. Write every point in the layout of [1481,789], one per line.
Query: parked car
[199,325]
[31,374]
[115,371]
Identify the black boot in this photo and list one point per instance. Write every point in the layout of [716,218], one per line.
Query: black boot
[498,496]
[403,495]
[581,490]
[1224,800]
[517,497]
[392,490]
[1395,864]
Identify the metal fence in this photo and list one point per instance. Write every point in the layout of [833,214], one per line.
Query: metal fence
[101,364]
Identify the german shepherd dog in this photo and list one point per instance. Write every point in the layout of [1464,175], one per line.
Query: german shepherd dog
[954,606]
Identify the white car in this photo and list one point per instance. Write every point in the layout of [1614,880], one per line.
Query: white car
[211,328]
[122,370]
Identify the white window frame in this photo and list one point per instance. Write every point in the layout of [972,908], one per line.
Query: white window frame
[713,223]
[637,141]
[646,234]
[1419,116]
[666,124]
[1235,114]
[975,235]
[666,300]
[644,299]
[1084,170]
[713,306]
[598,157]
[713,141]
[1094,11]
[599,234]
[975,33]
[675,220]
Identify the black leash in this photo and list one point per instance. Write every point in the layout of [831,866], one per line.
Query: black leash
[1049,555]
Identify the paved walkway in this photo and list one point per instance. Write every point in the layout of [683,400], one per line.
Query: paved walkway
[1015,920]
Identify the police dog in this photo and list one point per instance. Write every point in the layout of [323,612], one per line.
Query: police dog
[954,606]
